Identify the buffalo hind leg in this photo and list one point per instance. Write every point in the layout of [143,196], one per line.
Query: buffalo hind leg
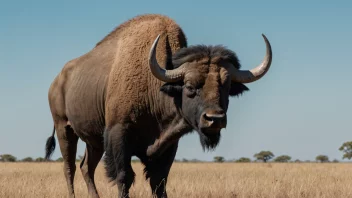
[158,170]
[68,146]
[88,165]
[118,159]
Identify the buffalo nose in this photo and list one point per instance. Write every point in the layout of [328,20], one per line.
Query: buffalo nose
[216,120]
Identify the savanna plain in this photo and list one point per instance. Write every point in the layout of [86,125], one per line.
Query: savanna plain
[199,180]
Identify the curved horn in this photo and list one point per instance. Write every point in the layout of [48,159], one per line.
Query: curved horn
[160,73]
[248,76]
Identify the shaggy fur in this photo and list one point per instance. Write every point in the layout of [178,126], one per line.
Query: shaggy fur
[109,99]
[198,52]
[210,141]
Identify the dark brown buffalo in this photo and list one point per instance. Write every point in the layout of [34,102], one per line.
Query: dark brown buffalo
[136,93]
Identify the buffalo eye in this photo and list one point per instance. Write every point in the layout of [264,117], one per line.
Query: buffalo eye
[171,89]
[190,90]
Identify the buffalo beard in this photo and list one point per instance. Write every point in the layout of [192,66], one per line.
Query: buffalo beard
[209,141]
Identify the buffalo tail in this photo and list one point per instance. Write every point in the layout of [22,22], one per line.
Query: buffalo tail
[50,145]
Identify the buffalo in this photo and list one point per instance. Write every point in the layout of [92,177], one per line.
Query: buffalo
[136,93]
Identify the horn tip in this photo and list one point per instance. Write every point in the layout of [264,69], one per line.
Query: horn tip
[158,37]
[267,42]
[156,40]
[263,35]
[153,47]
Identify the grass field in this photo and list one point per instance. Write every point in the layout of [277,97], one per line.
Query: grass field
[190,180]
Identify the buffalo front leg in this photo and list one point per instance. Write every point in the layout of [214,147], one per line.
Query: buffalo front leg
[170,136]
[118,159]
[88,165]
[68,146]
[158,170]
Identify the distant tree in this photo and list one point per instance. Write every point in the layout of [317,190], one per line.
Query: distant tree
[27,159]
[346,147]
[282,158]
[184,160]
[40,159]
[264,156]
[322,158]
[219,159]
[195,160]
[335,161]
[298,161]
[7,158]
[244,160]
[60,159]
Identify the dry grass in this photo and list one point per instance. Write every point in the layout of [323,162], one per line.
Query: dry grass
[190,180]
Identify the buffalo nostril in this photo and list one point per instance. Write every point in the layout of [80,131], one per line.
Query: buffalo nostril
[214,120]
[207,118]
[214,117]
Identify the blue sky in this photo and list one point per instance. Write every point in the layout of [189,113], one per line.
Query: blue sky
[300,108]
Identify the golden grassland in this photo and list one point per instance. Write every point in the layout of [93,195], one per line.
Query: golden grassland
[201,180]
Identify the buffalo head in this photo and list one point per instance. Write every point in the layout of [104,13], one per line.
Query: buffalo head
[202,81]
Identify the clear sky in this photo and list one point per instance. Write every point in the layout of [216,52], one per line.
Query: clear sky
[302,107]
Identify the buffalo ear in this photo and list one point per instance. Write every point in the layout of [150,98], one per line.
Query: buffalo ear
[237,89]
[172,89]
